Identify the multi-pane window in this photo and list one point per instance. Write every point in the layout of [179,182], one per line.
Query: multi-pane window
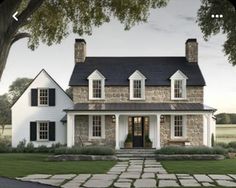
[43,131]
[178,89]
[97,89]
[137,89]
[43,96]
[97,126]
[178,126]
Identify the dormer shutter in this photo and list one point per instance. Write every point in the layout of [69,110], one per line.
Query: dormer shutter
[34,97]
[52,97]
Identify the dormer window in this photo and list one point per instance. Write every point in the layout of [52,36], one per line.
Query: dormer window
[43,97]
[137,86]
[96,86]
[178,86]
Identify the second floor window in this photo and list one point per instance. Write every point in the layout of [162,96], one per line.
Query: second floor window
[137,89]
[178,88]
[43,97]
[97,89]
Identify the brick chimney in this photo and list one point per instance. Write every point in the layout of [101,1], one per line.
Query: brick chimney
[80,50]
[191,50]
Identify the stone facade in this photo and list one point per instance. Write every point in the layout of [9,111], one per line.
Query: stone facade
[153,94]
[82,132]
[194,129]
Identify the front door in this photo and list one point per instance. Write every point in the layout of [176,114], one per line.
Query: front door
[137,131]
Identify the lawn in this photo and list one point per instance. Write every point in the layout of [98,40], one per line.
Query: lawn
[227,166]
[18,165]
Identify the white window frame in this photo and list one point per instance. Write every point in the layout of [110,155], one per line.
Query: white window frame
[96,75]
[39,97]
[184,118]
[38,131]
[181,77]
[137,76]
[91,127]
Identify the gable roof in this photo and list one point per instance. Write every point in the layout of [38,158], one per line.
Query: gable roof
[117,70]
[43,70]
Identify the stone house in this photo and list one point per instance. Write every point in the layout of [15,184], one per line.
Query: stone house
[160,98]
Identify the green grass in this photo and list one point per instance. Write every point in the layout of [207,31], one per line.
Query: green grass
[227,166]
[18,165]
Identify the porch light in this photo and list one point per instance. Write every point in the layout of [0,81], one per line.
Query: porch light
[162,119]
[113,119]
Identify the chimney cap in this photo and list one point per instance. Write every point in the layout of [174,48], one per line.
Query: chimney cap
[80,40]
[191,40]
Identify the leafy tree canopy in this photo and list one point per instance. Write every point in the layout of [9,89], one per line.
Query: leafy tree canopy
[49,21]
[225,25]
[225,118]
[5,112]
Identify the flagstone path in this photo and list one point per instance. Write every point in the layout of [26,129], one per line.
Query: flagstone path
[135,173]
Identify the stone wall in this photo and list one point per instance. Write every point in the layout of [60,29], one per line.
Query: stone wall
[82,131]
[194,130]
[153,94]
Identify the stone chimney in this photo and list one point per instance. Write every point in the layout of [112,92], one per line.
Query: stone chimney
[80,50]
[191,50]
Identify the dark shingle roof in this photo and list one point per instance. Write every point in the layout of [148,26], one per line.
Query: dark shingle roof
[141,107]
[117,70]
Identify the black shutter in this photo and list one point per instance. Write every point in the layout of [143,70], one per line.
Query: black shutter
[34,97]
[33,131]
[52,131]
[52,97]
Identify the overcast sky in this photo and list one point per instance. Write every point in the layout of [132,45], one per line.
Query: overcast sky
[164,35]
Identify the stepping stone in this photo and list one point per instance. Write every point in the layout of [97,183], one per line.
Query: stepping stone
[151,170]
[207,184]
[168,183]
[219,177]
[36,176]
[122,184]
[124,180]
[81,178]
[113,172]
[104,177]
[189,183]
[226,183]
[63,176]
[147,183]
[117,169]
[166,176]
[71,185]
[148,175]
[202,178]
[98,183]
[184,176]
[232,176]
[54,182]
[131,175]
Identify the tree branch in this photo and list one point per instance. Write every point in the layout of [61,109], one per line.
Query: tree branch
[19,36]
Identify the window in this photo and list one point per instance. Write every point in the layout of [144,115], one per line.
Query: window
[96,127]
[178,126]
[97,88]
[43,131]
[43,97]
[178,88]
[137,90]
[97,131]
[137,86]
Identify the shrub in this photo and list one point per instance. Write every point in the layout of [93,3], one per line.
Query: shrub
[91,150]
[232,145]
[42,149]
[222,144]
[29,148]
[171,150]
[21,146]
[5,145]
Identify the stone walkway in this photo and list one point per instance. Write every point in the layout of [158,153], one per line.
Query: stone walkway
[134,173]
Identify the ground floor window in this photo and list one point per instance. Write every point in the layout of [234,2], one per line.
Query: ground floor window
[178,127]
[43,131]
[96,126]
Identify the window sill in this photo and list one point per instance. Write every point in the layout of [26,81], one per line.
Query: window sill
[179,99]
[95,138]
[97,99]
[41,141]
[137,99]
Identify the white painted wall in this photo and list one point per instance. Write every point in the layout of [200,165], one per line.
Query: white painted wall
[23,112]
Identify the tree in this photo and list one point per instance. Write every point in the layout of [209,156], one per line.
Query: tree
[5,111]
[226,25]
[49,21]
[17,88]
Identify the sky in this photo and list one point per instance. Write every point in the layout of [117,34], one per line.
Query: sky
[164,34]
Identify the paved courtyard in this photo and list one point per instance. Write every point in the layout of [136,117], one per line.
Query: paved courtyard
[135,173]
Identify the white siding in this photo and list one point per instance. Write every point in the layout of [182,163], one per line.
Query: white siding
[23,112]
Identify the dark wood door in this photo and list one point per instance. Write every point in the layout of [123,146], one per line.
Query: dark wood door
[137,132]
